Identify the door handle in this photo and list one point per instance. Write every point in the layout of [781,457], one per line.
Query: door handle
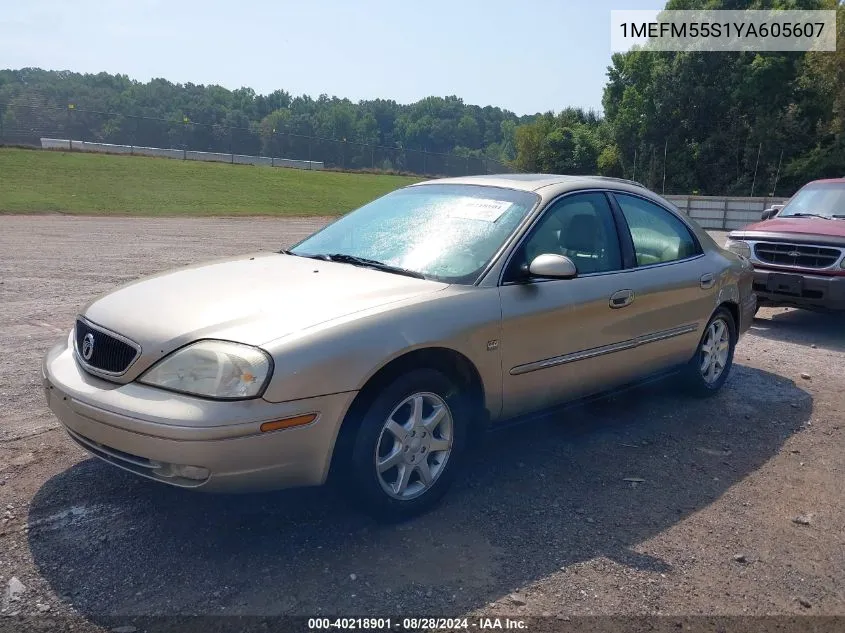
[621,298]
[707,280]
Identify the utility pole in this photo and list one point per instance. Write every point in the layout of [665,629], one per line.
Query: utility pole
[634,176]
[777,175]
[651,168]
[185,139]
[70,108]
[754,179]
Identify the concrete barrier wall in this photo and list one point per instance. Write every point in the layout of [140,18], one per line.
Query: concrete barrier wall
[243,159]
[216,157]
[297,164]
[55,143]
[81,146]
[212,157]
[724,212]
[157,151]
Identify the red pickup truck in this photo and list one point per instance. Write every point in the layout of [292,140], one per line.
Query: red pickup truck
[799,254]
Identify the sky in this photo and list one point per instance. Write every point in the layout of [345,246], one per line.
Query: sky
[523,55]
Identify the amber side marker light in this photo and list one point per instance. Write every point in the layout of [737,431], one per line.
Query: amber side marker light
[288,422]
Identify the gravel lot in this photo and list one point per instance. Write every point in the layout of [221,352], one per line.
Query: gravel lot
[740,511]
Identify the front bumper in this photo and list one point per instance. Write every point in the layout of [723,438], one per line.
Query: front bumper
[154,433]
[801,290]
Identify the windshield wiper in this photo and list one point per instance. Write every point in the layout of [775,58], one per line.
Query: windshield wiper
[806,215]
[283,252]
[838,216]
[368,263]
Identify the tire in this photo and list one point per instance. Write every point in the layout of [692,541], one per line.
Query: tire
[380,488]
[707,371]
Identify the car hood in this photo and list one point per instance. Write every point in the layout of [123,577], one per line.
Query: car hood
[252,299]
[805,226]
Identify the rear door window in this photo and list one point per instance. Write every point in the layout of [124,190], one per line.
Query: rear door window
[659,237]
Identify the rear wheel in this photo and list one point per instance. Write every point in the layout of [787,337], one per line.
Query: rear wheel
[709,368]
[409,445]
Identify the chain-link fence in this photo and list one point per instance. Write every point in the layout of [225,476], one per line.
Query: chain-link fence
[26,125]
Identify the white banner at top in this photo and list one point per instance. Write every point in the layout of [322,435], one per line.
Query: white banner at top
[752,30]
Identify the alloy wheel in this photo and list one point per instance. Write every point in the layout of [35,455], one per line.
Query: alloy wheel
[715,350]
[414,445]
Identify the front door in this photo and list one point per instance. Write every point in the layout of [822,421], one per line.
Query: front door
[558,334]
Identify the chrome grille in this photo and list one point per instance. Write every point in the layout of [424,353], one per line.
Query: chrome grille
[108,353]
[800,255]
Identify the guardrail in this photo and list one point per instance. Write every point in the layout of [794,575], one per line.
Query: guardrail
[724,213]
[179,154]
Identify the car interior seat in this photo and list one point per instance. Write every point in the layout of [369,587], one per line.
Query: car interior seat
[546,240]
[653,247]
[581,241]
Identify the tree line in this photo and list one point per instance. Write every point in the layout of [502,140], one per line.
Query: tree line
[712,123]
[114,108]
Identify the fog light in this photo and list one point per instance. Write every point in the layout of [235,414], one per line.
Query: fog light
[196,473]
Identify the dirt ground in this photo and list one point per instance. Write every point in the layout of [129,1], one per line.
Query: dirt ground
[740,511]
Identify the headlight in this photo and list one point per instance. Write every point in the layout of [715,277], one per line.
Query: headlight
[213,369]
[739,247]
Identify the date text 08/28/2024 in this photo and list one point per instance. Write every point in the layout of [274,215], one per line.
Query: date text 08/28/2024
[416,624]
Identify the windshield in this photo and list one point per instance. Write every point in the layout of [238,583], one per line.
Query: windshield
[823,198]
[444,232]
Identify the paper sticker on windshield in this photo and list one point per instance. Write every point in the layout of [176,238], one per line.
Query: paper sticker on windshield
[480,209]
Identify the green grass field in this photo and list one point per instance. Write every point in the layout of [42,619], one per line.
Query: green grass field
[34,181]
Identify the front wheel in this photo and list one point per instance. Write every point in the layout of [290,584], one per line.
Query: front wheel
[708,370]
[409,445]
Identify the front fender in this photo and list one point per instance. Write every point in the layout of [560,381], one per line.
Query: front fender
[342,355]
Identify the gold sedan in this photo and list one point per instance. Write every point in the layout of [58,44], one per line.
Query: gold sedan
[378,347]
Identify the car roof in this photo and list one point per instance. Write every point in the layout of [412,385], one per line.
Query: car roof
[534,182]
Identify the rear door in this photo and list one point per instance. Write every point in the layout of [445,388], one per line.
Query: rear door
[674,283]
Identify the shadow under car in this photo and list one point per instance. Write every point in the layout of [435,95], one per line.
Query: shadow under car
[532,500]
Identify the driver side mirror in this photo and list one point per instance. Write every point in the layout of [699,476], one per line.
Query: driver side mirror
[554,266]
[771,212]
